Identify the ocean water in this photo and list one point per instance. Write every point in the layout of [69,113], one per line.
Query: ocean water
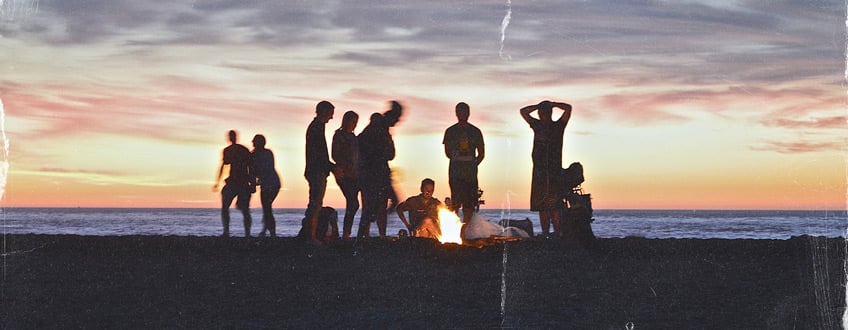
[607,223]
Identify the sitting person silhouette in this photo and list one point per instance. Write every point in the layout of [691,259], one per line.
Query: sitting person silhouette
[423,212]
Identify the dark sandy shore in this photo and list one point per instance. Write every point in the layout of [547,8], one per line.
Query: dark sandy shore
[209,282]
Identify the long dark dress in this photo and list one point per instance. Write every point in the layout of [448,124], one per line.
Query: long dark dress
[546,188]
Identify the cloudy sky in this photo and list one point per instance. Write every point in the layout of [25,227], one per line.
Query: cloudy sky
[677,104]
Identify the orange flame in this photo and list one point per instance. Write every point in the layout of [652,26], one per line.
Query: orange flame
[450,227]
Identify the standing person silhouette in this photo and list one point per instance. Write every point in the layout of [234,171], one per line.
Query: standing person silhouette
[465,149]
[318,165]
[238,184]
[346,155]
[392,117]
[264,168]
[546,186]
[376,149]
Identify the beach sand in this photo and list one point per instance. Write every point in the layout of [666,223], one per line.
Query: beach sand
[210,282]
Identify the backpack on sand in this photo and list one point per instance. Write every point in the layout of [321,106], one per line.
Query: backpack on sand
[328,225]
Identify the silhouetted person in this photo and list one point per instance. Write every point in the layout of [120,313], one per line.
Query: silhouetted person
[392,117]
[238,184]
[546,187]
[318,165]
[423,211]
[376,148]
[265,171]
[465,149]
[346,155]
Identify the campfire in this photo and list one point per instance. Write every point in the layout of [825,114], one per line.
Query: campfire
[449,227]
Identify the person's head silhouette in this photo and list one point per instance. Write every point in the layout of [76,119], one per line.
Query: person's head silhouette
[324,111]
[427,187]
[349,121]
[545,111]
[462,112]
[232,136]
[259,141]
[376,119]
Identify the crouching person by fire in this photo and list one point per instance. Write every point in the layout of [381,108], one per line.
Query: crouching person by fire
[423,212]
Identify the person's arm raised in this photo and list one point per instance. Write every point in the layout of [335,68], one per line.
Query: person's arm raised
[566,108]
[526,111]
[561,105]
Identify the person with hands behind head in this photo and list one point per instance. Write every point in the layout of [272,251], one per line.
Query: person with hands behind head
[546,184]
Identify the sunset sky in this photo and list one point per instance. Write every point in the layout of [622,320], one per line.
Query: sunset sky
[677,104]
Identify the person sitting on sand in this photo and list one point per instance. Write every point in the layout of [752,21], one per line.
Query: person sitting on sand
[239,183]
[423,211]
[546,184]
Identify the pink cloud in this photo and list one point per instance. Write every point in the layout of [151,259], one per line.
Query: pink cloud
[666,106]
[800,147]
[825,122]
[421,115]
[179,111]
[640,109]
[78,171]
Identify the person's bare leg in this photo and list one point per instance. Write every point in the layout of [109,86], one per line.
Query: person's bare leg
[545,222]
[313,227]
[382,221]
[427,229]
[555,218]
[226,200]
[248,221]
[381,227]
[467,212]
[313,224]
[225,220]
[364,229]
[317,188]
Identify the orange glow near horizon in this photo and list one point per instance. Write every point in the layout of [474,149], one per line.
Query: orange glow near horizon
[801,184]
[764,192]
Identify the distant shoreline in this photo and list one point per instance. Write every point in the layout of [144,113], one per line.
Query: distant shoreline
[608,223]
[396,238]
